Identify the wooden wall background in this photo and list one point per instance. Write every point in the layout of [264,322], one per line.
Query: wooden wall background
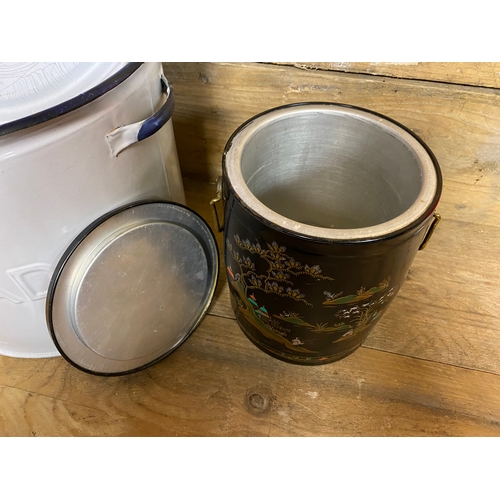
[432,364]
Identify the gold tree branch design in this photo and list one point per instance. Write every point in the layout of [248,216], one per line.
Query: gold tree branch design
[281,267]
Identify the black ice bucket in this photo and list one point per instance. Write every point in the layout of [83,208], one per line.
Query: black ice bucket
[325,207]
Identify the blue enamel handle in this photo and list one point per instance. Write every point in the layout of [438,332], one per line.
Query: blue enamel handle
[154,123]
[124,136]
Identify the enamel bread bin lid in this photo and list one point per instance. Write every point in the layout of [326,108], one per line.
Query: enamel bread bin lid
[29,88]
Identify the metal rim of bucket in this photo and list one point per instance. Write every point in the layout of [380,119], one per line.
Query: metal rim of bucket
[408,220]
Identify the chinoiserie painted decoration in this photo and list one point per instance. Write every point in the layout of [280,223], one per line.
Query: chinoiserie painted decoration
[261,275]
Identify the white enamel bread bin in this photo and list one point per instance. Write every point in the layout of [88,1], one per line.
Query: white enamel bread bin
[76,142]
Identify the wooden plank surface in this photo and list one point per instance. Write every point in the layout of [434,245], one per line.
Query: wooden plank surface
[479,74]
[219,384]
[460,124]
[26,414]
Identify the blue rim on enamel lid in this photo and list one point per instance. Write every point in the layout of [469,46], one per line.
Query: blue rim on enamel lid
[35,92]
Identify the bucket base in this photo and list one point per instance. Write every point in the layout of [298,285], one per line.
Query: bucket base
[299,360]
[281,348]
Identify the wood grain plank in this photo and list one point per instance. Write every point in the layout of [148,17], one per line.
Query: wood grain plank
[460,124]
[198,196]
[25,414]
[447,309]
[219,384]
[483,74]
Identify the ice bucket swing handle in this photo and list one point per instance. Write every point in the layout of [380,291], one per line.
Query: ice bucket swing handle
[220,226]
[427,237]
[213,204]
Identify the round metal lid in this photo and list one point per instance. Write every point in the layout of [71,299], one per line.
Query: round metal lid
[132,287]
